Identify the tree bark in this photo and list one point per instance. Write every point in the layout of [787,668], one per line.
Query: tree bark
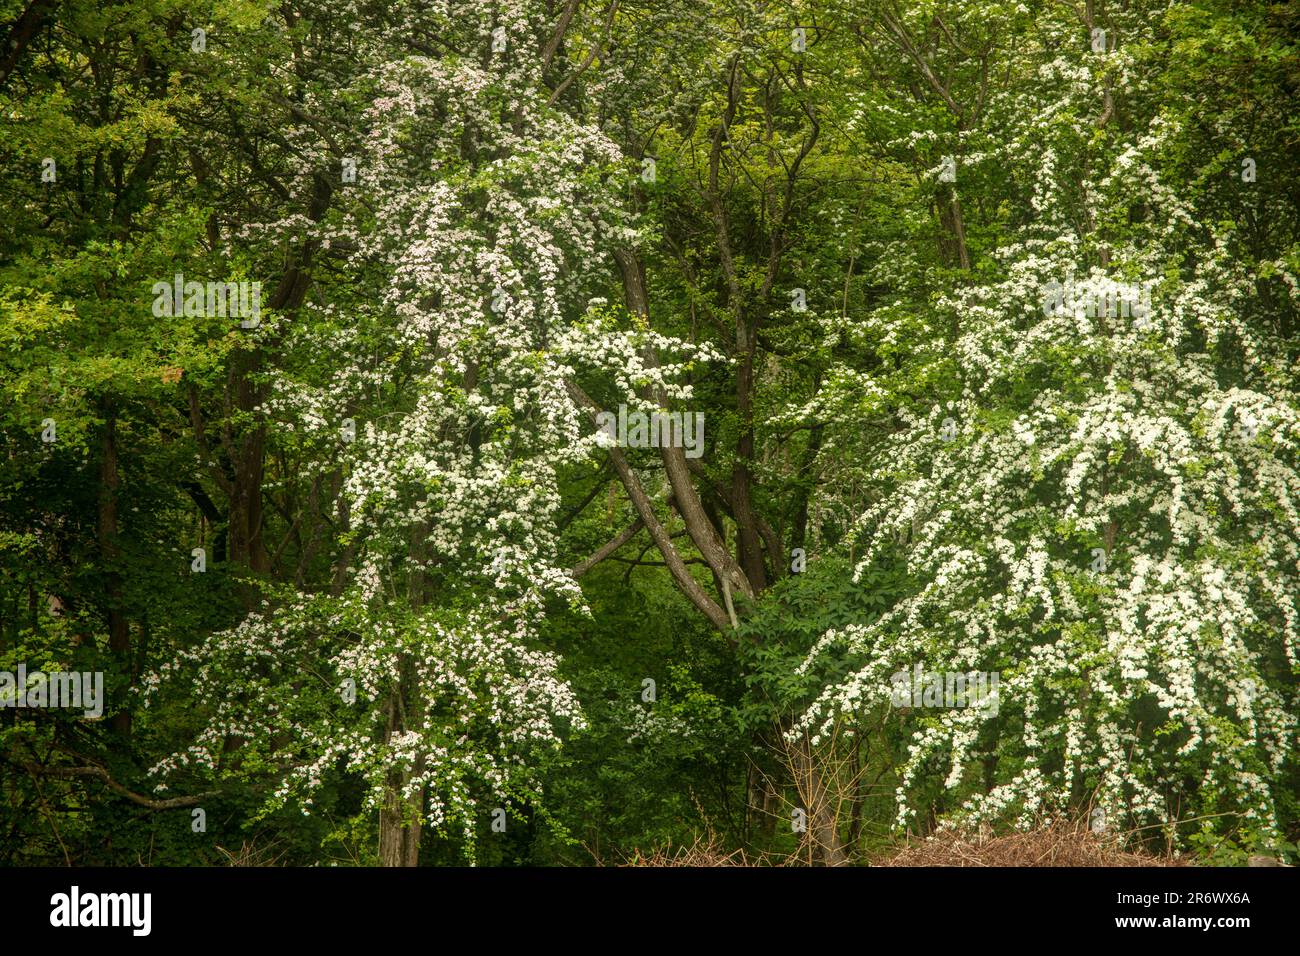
[21,35]
[645,510]
[119,634]
[823,828]
[702,532]
[401,818]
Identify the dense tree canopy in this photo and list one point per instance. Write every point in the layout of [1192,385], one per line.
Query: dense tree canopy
[548,431]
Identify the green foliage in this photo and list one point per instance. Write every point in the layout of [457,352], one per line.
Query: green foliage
[128,438]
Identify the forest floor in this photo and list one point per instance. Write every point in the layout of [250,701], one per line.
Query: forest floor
[1062,843]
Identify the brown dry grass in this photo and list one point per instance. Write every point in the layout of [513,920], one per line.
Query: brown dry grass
[703,852]
[1059,843]
[253,854]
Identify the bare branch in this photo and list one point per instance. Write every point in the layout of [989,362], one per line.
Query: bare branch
[101,774]
[608,548]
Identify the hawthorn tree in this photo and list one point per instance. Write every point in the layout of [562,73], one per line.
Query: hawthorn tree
[1096,495]
[477,221]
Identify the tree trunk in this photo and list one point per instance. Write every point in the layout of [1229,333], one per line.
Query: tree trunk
[399,825]
[748,539]
[119,634]
[400,818]
[823,829]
